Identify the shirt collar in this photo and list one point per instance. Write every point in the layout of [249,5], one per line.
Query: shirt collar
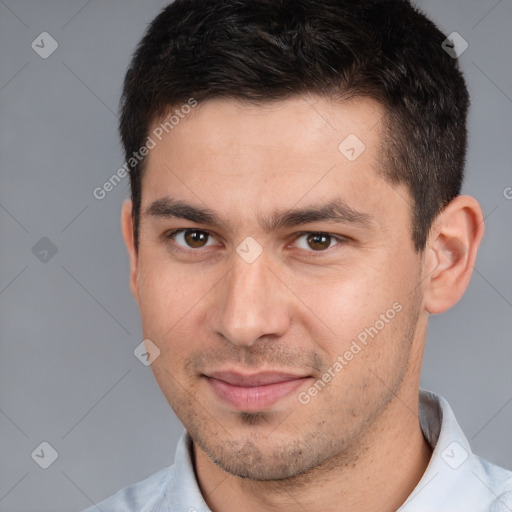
[455,479]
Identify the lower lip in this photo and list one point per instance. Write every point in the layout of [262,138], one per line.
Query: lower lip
[255,398]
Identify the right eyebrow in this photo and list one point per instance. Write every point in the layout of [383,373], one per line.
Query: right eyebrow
[168,208]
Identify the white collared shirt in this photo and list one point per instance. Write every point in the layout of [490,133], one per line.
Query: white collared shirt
[455,480]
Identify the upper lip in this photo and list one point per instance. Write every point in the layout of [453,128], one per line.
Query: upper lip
[255,379]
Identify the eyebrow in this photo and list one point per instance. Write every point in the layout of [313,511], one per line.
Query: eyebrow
[336,211]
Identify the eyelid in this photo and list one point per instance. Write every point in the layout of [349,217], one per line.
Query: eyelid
[339,238]
[169,235]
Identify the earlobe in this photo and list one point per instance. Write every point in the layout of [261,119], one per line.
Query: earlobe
[127,230]
[451,253]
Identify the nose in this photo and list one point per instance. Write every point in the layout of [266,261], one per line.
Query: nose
[252,303]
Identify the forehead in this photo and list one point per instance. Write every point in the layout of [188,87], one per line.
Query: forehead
[236,157]
[301,124]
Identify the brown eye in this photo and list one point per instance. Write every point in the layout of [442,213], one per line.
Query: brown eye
[191,238]
[319,241]
[196,239]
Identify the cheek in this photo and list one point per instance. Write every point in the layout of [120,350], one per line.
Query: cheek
[164,298]
[172,308]
[344,303]
[361,301]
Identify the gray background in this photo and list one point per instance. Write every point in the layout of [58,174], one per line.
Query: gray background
[69,325]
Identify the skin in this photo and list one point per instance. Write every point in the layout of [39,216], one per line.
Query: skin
[297,307]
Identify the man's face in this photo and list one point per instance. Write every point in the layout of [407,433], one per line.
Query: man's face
[251,306]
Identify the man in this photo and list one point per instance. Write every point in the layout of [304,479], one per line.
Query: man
[295,218]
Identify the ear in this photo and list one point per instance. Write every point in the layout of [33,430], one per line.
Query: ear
[127,229]
[451,253]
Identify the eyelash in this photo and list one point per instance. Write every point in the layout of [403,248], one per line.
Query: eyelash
[340,239]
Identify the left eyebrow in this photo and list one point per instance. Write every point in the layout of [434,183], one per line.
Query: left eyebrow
[335,211]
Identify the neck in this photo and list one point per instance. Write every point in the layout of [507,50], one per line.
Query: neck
[380,474]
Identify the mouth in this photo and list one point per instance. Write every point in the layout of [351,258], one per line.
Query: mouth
[254,392]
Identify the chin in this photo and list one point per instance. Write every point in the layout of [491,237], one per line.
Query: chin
[257,459]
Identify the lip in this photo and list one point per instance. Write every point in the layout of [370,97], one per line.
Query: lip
[254,392]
